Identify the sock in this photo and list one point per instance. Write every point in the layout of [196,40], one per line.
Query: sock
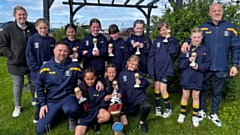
[166,101]
[183,107]
[195,110]
[157,97]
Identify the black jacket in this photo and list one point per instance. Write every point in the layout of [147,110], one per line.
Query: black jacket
[13,42]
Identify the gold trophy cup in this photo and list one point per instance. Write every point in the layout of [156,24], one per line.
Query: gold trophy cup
[81,99]
[95,44]
[137,76]
[110,46]
[138,51]
[194,55]
[74,49]
[166,40]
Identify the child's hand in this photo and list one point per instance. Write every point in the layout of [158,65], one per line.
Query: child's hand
[195,67]
[168,36]
[74,55]
[110,50]
[141,45]
[99,86]
[191,59]
[84,52]
[138,81]
[135,44]
[78,95]
[119,95]
[108,97]
[95,52]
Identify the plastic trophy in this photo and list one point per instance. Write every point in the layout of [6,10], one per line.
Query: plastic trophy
[138,51]
[110,46]
[81,99]
[194,55]
[74,49]
[115,110]
[95,44]
[137,76]
[166,40]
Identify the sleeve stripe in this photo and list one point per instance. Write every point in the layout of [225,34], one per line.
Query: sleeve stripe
[233,30]
[204,29]
[44,70]
[75,68]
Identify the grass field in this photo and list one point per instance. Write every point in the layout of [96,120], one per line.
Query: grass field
[23,125]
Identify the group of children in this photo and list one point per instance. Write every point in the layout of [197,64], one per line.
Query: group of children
[129,63]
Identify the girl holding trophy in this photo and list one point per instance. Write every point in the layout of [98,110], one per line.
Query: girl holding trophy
[135,97]
[117,49]
[72,42]
[95,105]
[94,48]
[139,44]
[161,66]
[193,64]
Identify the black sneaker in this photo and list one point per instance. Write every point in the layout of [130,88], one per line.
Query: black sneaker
[72,124]
[143,127]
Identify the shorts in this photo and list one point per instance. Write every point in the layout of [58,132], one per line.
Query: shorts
[162,79]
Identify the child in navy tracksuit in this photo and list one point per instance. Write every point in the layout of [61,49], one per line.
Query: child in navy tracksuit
[94,57]
[72,42]
[192,75]
[39,50]
[135,98]
[161,66]
[139,42]
[95,106]
[119,49]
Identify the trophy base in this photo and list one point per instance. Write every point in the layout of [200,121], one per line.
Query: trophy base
[192,65]
[81,100]
[165,41]
[137,86]
[110,55]
[137,53]
[95,49]
[74,60]
[117,127]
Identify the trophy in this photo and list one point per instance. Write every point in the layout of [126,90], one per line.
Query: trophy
[137,76]
[194,55]
[138,51]
[110,46]
[166,40]
[81,99]
[115,110]
[95,44]
[74,49]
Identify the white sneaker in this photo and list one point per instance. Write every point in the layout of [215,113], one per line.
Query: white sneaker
[195,121]
[167,113]
[201,115]
[35,121]
[158,111]
[16,111]
[215,119]
[181,118]
[33,103]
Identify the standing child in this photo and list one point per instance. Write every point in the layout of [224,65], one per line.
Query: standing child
[139,44]
[39,50]
[193,64]
[119,49]
[110,73]
[94,48]
[72,42]
[161,66]
[135,97]
[94,107]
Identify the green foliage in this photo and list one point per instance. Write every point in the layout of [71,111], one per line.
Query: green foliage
[81,32]
[192,14]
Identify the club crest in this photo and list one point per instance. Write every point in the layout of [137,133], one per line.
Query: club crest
[87,42]
[124,78]
[36,45]
[132,42]
[67,73]
[158,44]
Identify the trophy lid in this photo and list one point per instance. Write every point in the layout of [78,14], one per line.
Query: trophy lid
[168,31]
[136,75]
[117,126]
[74,49]
[194,54]
[110,45]
[94,39]
[114,82]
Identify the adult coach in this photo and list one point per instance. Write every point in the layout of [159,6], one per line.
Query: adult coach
[220,36]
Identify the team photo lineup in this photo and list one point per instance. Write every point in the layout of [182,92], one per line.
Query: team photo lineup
[95,80]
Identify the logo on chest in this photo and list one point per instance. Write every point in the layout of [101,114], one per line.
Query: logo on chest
[67,73]
[124,78]
[87,42]
[226,33]
[36,45]
[158,44]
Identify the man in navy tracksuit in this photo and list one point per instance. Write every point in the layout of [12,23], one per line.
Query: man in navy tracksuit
[58,77]
[91,60]
[220,36]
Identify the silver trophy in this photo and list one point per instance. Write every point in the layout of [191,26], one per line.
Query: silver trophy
[77,90]
[114,98]
[166,40]
[74,49]
[110,46]
[138,51]
[95,44]
[137,76]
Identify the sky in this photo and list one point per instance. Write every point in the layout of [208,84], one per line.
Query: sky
[59,13]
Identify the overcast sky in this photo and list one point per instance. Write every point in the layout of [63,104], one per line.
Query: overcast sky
[59,13]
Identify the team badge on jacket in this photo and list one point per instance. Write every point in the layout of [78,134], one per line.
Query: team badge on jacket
[67,73]
[132,42]
[158,44]
[226,33]
[124,78]
[87,42]
[36,45]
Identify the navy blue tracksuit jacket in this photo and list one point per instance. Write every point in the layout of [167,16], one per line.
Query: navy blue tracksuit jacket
[74,43]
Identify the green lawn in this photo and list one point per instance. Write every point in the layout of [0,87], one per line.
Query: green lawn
[23,125]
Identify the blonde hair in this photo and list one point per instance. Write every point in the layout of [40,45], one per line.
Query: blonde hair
[41,20]
[133,58]
[196,30]
[18,8]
